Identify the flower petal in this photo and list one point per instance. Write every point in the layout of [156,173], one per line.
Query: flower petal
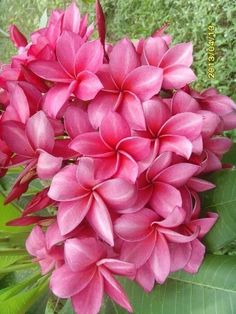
[65,283]
[89,57]
[180,54]
[40,132]
[113,129]
[144,82]
[154,50]
[82,253]
[49,70]
[100,220]
[36,241]
[64,186]
[123,53]
[114,290]
[88,86]
[137,147]
[48,165]
[165,198]
[71,19]
[177,76]
[197,255]
[70,214]
[160,259]
[176,144]
[89,300]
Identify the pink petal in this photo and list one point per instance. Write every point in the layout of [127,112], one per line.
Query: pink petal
[49,70]
[181,54]
[56,98]
[118,267]
[186,124]
[67,46]
[160,259]
[137,147]
[145,277]
[36,241]
[219,145]
[53,235]
[76,121]
[183,102]
[174,219]
[89,300]
[127,168]
[165,198]
[17,37]
[48,165]
[70,214]
[211,121]
[82,253]
[13,133]
[86,173]
[90,144]
[200,185]
[88,86]
[178,174]
[135,227]
[114,290]
[71,20]
[131,109]
[99,107]
[174,236]
[40,132]
[177,76]
[105,77]
[65,283]
[113,129]
[64,186]
[156,114]
[19,102]
[205,224]
[144,82]
[123,53]
[106,167]
[89,57]
[154,50]
[100,220]
[101,23]
[197,255]
[138,252]
[176,144]
[180,254]
[117,193]
[160,163]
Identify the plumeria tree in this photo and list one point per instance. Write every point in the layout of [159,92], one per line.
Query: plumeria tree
[113,169]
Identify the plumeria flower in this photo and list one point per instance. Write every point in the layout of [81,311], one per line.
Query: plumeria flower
[74,71]
[118,152]
[126,85]
[82,195]
[87,274]
[47,259]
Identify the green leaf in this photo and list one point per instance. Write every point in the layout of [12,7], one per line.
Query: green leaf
[212,290]
[67,308]
[20,303]
[39,307]
[222,200]
[9,212]
[230,157]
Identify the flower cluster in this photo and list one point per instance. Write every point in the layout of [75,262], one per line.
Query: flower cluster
[120,142]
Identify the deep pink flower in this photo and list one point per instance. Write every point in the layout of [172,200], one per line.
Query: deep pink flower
[118,152]
[176,133]
[82,195]
[33,145]
[73,73]
[87,274]
[126,85]
[175,61]
[47,259]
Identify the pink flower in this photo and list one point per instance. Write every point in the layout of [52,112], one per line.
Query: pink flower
[87,274]
[47,259]
[73,73]
[175,61]
[82,195]
[117,152]
[33,145]
[126,85]
[175,133]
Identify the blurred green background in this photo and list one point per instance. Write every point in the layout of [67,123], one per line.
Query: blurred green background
[188,20]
